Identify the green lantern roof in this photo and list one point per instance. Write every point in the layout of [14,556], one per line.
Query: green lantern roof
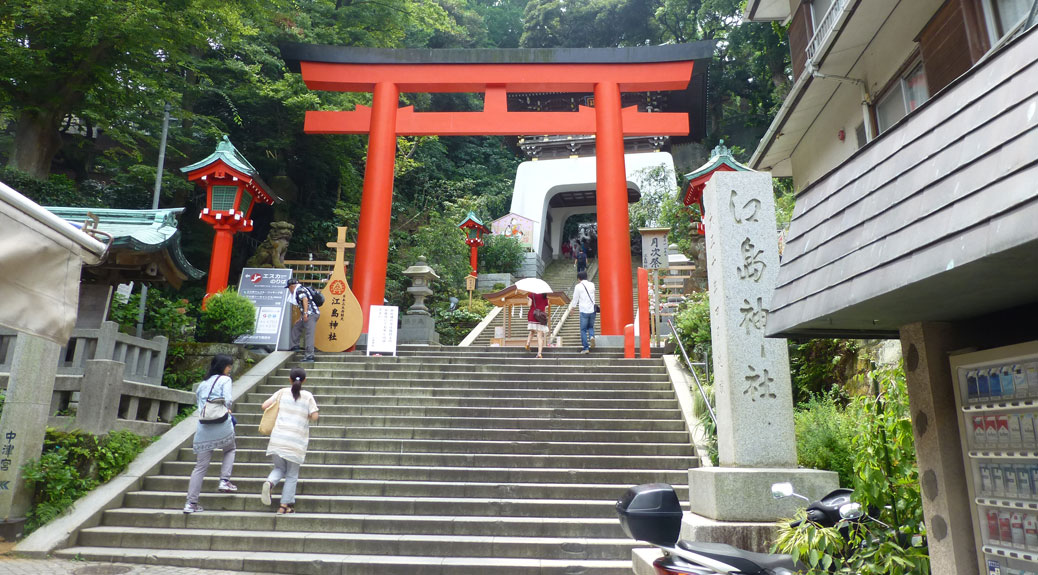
[228,154]
[720,156]
[476,223]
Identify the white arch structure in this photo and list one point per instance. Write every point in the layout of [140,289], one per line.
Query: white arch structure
[536,182]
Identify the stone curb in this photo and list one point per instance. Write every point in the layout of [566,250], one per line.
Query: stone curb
[62,531]
[682,388]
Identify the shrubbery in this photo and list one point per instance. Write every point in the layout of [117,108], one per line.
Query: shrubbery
[500,255]
[72,464]
[824,432]
[886,482]
[171,318]
[454,325]
[228,315]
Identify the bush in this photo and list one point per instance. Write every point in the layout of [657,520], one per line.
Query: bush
[227,316]
[824,432]
[818,365]
[500,255]
[886,482]
[56,190]
[453,326]
[72,464]
[171,318]
[692,323]
[174,377]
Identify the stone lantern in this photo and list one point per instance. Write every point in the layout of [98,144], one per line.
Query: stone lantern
[417,325]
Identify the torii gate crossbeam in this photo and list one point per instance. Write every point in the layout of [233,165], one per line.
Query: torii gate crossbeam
[386,74]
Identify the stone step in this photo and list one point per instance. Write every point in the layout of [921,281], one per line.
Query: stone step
[259,470]
[544,422]
[525,365]
[372,378]
[633,390]
[339,564]
[317,504]
[472,459]
[476,411]
[250,487]
[360,523]
[502,400]
[355,543]
[452,446]
[475,434]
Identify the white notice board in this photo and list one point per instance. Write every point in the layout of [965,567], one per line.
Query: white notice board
[382,329]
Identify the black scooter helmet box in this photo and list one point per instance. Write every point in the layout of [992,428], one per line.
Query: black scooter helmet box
[652,513]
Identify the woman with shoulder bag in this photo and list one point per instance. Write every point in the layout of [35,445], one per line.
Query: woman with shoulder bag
[289,438]
[537,321]
[215,430]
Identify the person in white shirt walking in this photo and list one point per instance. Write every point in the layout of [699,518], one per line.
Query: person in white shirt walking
[584,300]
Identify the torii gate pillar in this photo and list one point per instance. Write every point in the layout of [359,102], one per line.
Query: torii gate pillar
[376,204]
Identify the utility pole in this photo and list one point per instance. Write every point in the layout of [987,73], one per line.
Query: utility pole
[154,206]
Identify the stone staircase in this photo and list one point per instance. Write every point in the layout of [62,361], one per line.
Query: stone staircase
[451,461]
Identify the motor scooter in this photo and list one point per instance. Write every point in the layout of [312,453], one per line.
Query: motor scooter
[652,513]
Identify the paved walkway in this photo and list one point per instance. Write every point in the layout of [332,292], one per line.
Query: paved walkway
[17,566]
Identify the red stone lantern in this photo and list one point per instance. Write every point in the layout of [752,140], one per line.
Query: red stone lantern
[474,230]
[232,188]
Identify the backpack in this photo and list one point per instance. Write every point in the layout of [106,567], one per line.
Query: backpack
[315,296]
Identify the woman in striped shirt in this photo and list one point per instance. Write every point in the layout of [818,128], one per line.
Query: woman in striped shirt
[289,438]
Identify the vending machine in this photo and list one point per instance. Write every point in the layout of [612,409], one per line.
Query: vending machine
[997,399]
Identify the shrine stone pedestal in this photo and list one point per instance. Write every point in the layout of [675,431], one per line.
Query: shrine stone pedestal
[753,394]
[417,326]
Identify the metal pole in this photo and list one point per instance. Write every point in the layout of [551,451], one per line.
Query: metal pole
[154,206]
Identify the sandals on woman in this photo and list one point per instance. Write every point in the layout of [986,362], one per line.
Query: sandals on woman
[286,508]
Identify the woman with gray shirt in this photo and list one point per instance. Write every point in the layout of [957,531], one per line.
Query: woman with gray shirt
[211,436]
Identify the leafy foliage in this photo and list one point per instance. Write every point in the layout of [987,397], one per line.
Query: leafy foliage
[818,365]
[228,315]
[692,323]
[171,318]
[500,255]
[453,326]
[885,479]
[825,432]
[73,463]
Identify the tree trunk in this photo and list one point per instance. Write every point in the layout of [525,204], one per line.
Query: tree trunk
[36,142]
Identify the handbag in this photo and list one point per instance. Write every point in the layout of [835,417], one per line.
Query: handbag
[540,316]
[213,410]
[270,415]
[598,308]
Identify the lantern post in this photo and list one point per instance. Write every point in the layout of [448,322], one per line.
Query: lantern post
[474,229]
[232,188]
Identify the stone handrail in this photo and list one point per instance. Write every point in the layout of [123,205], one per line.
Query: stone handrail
[145,359]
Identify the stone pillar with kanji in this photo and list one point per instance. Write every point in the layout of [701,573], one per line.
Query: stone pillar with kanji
[754,401]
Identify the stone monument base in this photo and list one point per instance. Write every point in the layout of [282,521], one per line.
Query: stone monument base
[417,329]
[744,494]
[756,537]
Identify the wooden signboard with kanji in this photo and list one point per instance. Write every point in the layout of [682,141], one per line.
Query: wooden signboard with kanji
[340,322]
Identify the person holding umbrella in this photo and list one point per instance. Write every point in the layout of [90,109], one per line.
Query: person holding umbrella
[537,318]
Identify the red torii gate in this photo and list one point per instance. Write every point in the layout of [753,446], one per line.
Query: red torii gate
[605,72]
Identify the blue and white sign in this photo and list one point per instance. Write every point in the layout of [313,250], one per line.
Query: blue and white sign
[265,288]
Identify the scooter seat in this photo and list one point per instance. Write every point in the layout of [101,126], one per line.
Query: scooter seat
[744,561]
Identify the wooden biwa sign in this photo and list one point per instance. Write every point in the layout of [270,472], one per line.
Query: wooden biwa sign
[340,322]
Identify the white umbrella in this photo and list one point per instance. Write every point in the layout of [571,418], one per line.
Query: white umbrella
[533,285]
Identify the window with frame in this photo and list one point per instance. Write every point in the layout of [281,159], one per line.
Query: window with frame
[818,10]
[1003,15]
[904,96]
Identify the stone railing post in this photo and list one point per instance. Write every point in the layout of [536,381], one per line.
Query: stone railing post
[99,395]
[106,340]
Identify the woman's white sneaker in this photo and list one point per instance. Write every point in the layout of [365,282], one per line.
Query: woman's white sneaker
[265,493]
